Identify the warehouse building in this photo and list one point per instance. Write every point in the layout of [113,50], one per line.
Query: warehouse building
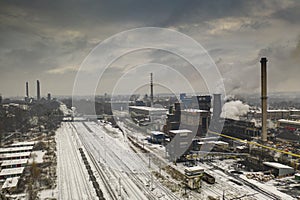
[279,169]
[145,116]
[148,111]
[198,145]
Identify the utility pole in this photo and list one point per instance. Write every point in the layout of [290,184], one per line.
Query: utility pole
[151,88]
[149,161]
[104,147]
[160,167]
[151,183]
[120,187]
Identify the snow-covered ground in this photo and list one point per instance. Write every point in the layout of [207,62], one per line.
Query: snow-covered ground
[224,183]
[37,156]
[125,170]
[73,179]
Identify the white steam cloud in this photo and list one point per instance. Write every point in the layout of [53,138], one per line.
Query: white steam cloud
[234,109]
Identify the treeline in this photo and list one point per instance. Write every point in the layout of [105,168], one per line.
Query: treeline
[43,115]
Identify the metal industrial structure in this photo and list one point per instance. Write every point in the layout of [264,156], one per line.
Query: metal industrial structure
[27,90]
[49,96]
[217,106]
[38,90]
[151,88]
[264,98]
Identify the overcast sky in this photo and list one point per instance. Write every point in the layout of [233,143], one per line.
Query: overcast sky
[48,40]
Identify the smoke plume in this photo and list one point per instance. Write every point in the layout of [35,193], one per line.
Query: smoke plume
[234,109]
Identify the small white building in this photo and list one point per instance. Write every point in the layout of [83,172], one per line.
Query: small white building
[180,143]
[152,112]
[12,156]
[280,169]
[193,176]
[10,183]
[297,177]
[11,172]
[22,144]
[16,149]
[14,163]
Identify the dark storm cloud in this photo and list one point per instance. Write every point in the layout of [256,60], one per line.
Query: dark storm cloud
[49,39]
[290,14]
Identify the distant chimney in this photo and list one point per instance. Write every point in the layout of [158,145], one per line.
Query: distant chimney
[264,98]
[38,90]
[217,107]
[49,97]
[151,88]
[27,90]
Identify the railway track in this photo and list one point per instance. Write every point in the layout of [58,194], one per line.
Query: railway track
[78,162]
[254,187]
[138,158]
[129,184]
[170,194]
[135,178]
[102,176]
[72,181]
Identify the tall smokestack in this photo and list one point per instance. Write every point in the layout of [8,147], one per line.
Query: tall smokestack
[264,98]
[27,90]
[151,88]
[38,91]
[217,106]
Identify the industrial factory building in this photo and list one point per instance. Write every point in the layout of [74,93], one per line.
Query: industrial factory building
[240,129]
[196,120]
[150,112]
[275,114]
[173,118]
[202,102]
[288,130]
[279,169]
[192,119]
[180,143]
[288,124]
[271,114]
